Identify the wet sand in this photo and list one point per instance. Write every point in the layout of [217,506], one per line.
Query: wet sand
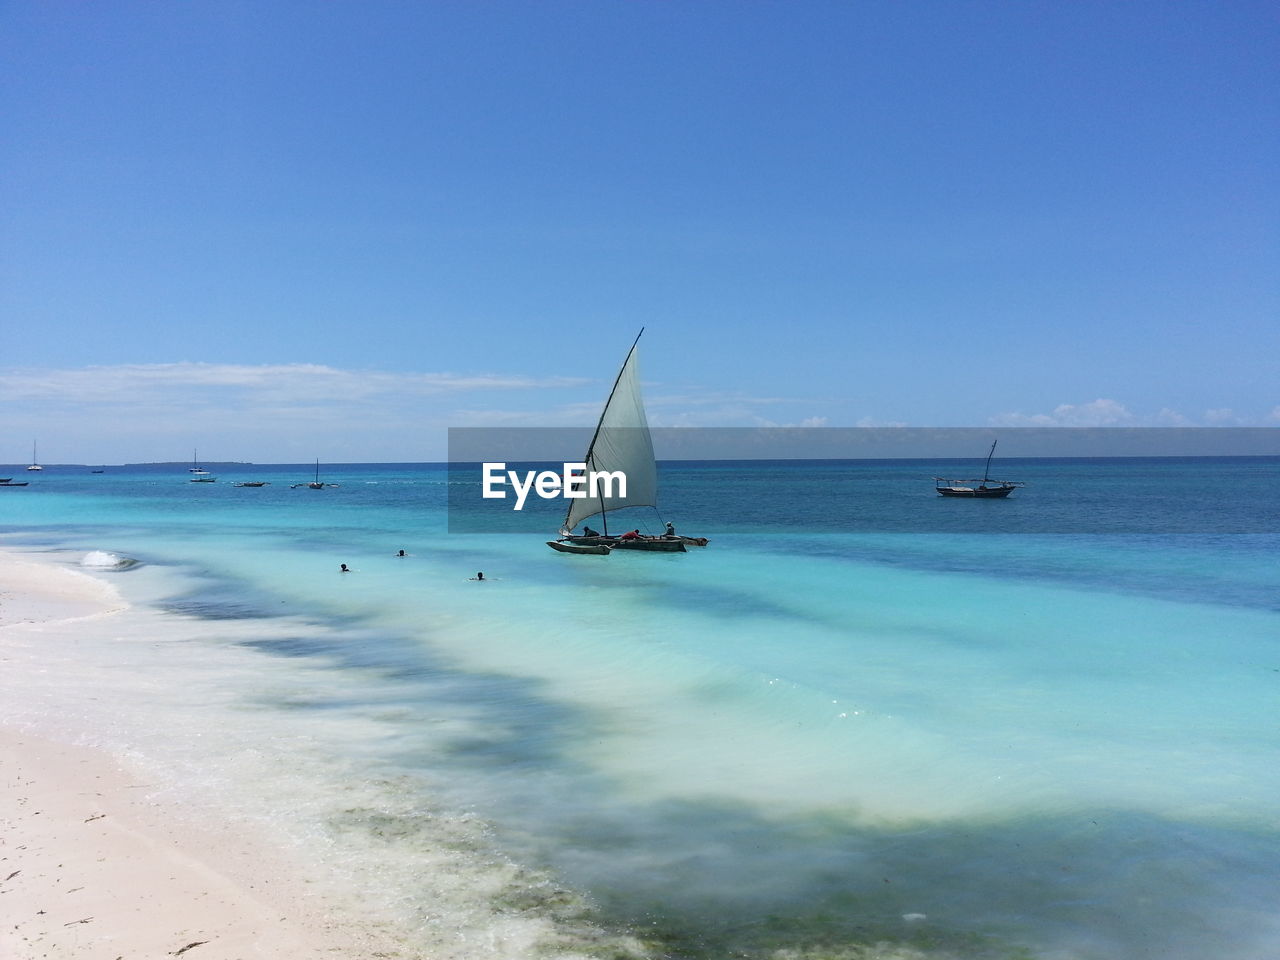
[94,865]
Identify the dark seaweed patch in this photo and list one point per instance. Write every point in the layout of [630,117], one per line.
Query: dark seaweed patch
[217,610]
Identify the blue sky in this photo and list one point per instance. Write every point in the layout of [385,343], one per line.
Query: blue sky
[284,230]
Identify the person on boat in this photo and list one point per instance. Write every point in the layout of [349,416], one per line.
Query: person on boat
[630,535]
[671,529]
[588,532]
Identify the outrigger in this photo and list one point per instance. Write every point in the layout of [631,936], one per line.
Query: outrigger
[986,487]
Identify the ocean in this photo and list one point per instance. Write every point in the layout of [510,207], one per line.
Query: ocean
[865,721]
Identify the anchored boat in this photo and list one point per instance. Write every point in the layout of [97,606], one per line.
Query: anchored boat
[199,474]
[984,488]
[316,484]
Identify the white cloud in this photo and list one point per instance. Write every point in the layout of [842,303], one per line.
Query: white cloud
[145,411]
[279,383]
[1098,413]
[873,422]
[807,422]
[1111,413]
[1171,418]
[1221,416]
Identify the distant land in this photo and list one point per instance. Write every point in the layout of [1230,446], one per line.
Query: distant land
[186,464]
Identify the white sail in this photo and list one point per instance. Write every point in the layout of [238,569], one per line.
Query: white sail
[621,443]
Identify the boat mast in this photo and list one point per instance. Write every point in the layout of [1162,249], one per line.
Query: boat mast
[987,469]
[604,516]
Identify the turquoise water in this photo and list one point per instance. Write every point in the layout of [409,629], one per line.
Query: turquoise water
[1038,727]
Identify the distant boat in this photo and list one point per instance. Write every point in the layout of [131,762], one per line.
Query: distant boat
[315,484]
[622,442]
[986,487]
[35,461]
[200,474]
[8,482]
[253,483]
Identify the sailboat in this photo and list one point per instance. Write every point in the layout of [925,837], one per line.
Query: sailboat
[314,484]
[201,475]
[621,443]
[35,461]
[986,487]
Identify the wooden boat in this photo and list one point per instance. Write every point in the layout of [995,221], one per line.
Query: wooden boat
[10,483]
[662,544]
[254,483]
[652,544]
[621,443]
[315,484]
[986,488]
[566,546]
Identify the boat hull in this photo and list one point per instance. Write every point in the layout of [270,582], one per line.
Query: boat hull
[616,541]
[982,493]
[598,549]
[654,545]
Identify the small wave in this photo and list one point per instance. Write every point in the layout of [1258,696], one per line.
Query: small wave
[105,560]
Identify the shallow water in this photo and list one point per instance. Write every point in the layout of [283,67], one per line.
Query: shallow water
[839,744]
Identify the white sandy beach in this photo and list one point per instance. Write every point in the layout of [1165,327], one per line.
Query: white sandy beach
[93,865]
